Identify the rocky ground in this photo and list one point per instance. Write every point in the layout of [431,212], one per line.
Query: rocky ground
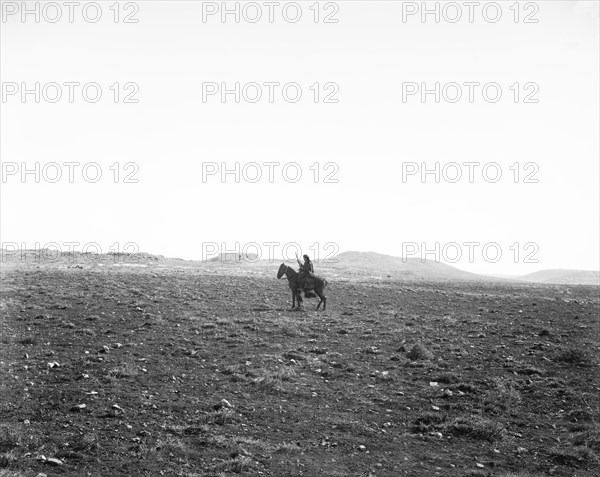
[162,371]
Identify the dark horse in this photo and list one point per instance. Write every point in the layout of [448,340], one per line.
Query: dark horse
[293,276]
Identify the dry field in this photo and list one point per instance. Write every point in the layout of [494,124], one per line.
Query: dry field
[158,371]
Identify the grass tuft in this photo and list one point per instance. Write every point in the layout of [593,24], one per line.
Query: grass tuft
[574,356]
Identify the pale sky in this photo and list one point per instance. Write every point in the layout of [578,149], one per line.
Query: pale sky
[370,134]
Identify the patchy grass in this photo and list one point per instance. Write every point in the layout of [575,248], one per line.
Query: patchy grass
[473,427]
[504,396]
[8,459]
[476,427]
[589,438]
[574,356]
[28,340]
[428,421]
[573,456]
[125,370]
[448,378]
[12,473]
[237,465]
[214,377]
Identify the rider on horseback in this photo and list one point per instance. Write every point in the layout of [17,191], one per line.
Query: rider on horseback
[305,279]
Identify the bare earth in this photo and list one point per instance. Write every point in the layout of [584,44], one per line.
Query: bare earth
[171,371]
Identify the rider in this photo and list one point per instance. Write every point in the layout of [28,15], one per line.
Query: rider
[306,270]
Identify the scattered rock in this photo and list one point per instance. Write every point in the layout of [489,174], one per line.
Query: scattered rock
[50,460]
[226,403]
[223,403]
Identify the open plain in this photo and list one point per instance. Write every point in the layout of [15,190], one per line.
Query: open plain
[172,370]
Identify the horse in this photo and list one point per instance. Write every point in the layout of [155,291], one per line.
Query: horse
[293,282]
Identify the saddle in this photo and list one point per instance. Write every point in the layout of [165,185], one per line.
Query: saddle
[307,283]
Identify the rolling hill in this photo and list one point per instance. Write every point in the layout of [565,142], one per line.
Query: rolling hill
[386,266]
[564,277]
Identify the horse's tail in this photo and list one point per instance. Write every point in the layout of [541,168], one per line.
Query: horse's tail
[324,283]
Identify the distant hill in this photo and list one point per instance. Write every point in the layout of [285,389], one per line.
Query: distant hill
[346,265]
[564,277]
[371,263]
[234,258]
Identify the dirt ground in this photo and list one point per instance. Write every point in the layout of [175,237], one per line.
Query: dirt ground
[148,371]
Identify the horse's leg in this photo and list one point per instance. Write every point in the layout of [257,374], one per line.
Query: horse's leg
[293,299]
[323,299]
[319,293]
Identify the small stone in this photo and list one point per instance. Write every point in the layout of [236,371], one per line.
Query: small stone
[362,448]
[226,403]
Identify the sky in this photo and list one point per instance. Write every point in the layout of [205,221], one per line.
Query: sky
[513,182]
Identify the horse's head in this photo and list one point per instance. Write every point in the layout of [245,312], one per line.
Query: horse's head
[281,271]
